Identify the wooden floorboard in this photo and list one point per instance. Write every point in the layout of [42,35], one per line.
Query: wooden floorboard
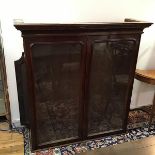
[11,143]
[144,146]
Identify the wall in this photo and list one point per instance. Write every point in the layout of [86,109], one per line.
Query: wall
[75,11]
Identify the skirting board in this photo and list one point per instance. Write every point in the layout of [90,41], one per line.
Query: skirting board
[16,123]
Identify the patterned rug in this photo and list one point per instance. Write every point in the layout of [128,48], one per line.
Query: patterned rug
[137,129]
[138,117]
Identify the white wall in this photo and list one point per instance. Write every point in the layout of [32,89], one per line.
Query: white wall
[75,11]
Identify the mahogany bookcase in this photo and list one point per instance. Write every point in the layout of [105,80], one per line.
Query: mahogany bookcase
[79,79]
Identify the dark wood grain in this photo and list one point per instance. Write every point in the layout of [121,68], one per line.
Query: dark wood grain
[23,98]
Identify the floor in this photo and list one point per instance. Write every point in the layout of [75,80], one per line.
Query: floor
[11,143]
[144,146]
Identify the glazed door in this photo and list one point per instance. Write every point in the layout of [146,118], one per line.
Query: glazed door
[110,66]
[57,74]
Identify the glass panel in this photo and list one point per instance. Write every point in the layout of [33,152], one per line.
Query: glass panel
[108,85]
[56,70]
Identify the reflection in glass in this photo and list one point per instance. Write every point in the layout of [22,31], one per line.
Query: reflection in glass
[108,85]
[56,70]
